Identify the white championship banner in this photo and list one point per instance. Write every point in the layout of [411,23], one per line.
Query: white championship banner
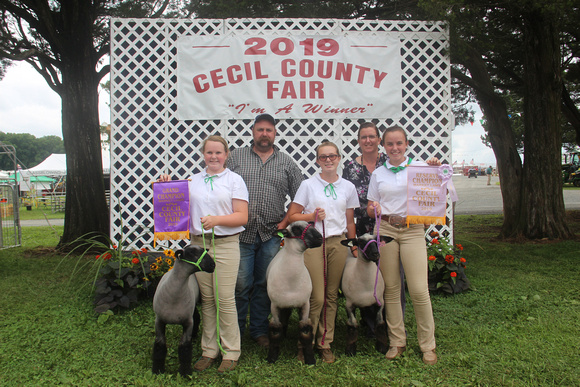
[293,76]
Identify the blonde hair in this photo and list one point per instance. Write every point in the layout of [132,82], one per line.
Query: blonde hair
[328,143]
[221,140]
[216,138]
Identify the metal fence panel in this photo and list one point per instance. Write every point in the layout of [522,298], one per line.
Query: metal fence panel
[10,232]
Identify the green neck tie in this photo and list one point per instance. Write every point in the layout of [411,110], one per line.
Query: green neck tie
[400,167]
[329,191]
[210,180]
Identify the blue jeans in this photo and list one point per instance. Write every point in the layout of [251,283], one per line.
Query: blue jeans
[251,285]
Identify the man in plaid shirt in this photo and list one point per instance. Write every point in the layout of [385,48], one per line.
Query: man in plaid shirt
[270,176]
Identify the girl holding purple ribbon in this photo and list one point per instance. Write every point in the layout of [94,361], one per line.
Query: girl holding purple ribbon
[218,211]
[388,199]
[328,200]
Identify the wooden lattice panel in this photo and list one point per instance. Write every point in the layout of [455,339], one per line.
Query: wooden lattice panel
[149,140]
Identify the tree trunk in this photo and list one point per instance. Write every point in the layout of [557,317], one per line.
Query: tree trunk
[86,208]
[571,112]
[542,211]
[501,137]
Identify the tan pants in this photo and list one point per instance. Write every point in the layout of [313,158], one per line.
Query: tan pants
[409,245]
[336,257]
[227,258]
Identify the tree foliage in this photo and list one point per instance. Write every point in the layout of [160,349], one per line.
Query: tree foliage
[66,42]
[515,56]
[29,149]
[494,51]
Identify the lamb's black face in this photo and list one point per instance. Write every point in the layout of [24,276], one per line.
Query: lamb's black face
[370,250]
[192,254]
[312,237]
[367,246]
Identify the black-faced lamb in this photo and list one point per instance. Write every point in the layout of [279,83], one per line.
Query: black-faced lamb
[289,286]
[358,285]
[174,303]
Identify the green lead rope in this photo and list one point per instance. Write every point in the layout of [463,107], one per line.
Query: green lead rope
[217,295]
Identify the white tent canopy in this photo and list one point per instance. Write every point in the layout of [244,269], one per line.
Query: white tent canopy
[55,165]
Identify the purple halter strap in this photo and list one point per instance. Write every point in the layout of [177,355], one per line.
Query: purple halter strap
[378,242]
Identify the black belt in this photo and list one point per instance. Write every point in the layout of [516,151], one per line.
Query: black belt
[217,236]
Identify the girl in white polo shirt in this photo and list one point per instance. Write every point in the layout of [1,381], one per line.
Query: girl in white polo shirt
[388,198]
[329,200]
[219,201]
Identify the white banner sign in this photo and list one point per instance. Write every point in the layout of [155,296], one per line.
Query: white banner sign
[237,77]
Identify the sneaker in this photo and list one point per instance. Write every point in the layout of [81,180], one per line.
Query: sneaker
[227,365]
[203,363]
[262,341]
[327,355]
[395,352]
[430,358]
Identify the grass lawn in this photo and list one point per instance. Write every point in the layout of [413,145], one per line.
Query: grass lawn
[519,328]
[39,212]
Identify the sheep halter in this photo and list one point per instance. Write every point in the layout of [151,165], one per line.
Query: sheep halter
[197,264]
[301,237]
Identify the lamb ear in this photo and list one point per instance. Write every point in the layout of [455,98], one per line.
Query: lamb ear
[348,242]
[178,254]
[385,239]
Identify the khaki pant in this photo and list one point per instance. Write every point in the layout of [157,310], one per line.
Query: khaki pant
[336,257]
[409,246]
[227,259]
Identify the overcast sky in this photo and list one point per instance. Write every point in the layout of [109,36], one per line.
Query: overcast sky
[28,105]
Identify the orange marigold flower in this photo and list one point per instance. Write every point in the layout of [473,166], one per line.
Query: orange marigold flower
[435,241]
[463,260]
[453,274]
[143,249]
[433,234]
[449,258]
[107,256]
[460,247]
[432,257]
[135,253]
[114,246]
[135,260]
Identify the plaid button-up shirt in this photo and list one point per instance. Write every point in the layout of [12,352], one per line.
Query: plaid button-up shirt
[268,184]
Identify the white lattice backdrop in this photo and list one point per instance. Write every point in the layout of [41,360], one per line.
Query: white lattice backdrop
[148,140]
